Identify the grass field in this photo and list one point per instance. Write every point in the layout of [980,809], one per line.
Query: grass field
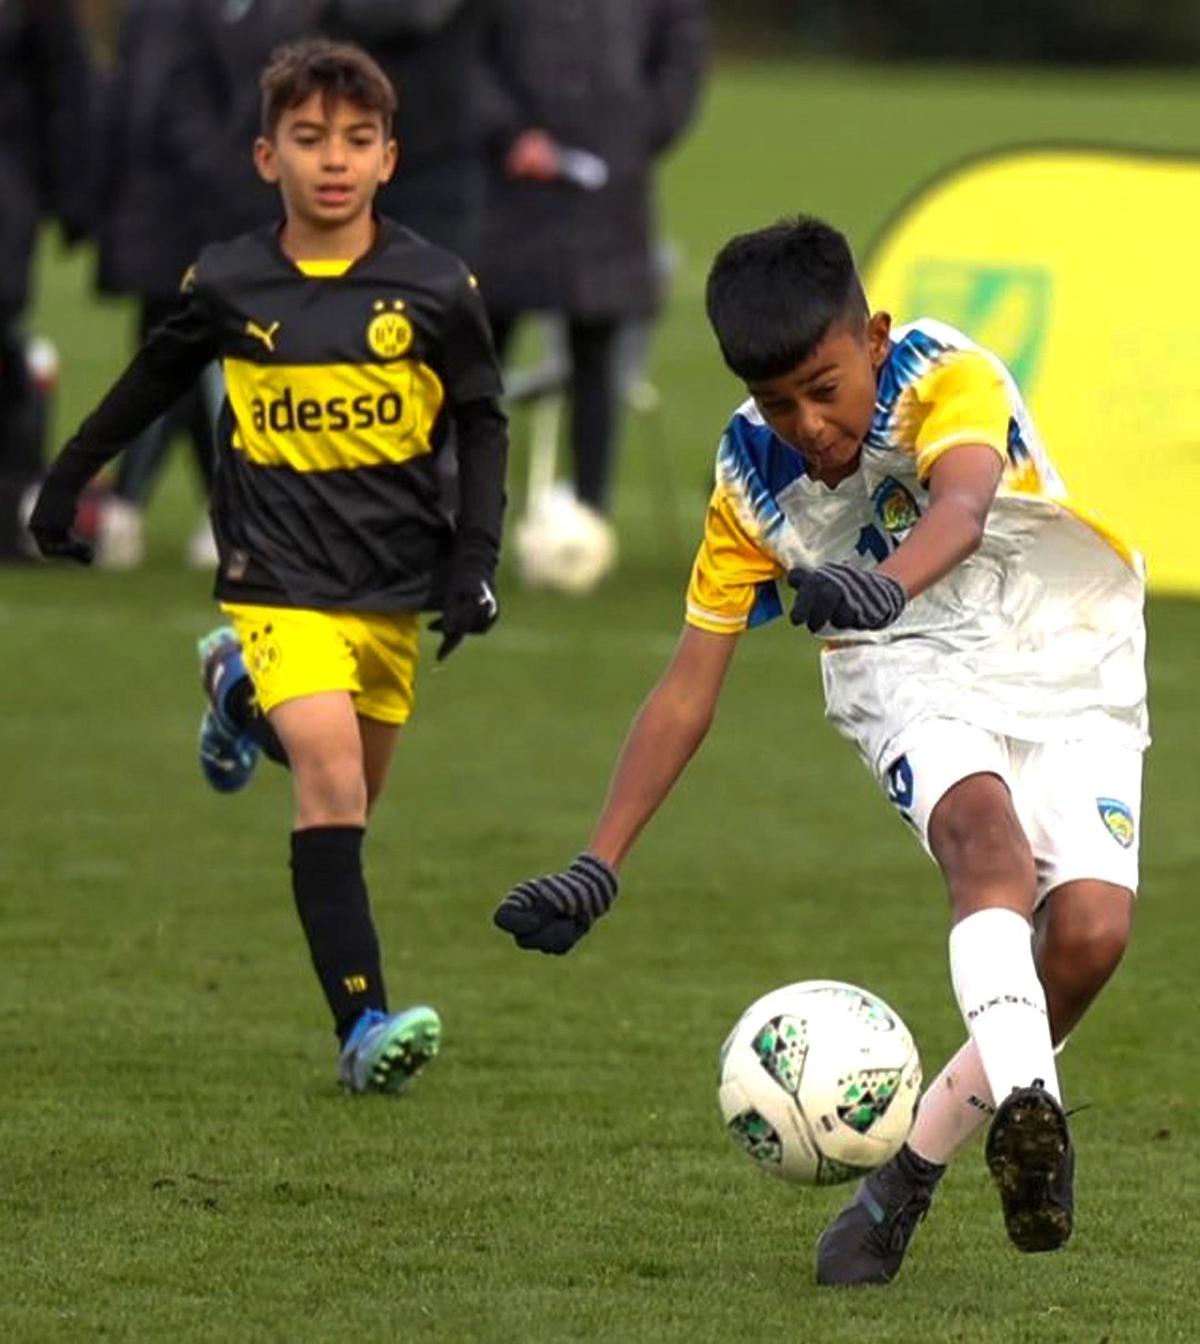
[175,1160]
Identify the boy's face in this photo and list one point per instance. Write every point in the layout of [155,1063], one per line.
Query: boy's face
[328,161]
[824,406]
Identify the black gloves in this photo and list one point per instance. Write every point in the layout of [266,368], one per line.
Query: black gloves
[551,914]
[470,606]
[50,525]
[845,598]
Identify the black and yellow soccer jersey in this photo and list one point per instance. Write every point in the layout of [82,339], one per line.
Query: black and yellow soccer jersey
[341,389]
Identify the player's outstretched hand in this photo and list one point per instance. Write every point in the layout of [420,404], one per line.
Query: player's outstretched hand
[551,914]
[470,608]
[845,598]
[50,527]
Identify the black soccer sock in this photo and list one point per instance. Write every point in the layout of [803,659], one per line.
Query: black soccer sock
[331,899]
[243,710]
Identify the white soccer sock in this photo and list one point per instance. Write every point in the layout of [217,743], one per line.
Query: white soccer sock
[1002,1000]
[955,1106]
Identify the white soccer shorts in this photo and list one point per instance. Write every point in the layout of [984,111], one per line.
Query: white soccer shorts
[1079,801]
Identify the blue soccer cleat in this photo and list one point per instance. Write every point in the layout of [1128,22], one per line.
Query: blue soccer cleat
[227,755]
[384,1051]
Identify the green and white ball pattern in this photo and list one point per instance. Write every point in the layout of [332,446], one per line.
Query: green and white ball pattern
[819,1081]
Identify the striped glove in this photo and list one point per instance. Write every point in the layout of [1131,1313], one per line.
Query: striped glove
[551,914]
[845,598]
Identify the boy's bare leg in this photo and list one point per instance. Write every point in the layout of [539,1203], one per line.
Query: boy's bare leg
[1082,930]
[988,866]
[379,741]
[320,734]
[339,762]
[985,857]
[1081,933]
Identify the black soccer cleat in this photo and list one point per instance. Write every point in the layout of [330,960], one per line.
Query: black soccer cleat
[1032,1161]
[866,1243]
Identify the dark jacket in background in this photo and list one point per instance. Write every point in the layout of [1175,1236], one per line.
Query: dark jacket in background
[433,52]
[620,78]
[146,233]
[207,56]
[45,105]
[221,48]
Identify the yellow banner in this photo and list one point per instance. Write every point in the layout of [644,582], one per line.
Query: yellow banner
[1078,268]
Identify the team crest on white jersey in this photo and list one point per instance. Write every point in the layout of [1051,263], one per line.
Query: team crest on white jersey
[1118,818]
[895,507]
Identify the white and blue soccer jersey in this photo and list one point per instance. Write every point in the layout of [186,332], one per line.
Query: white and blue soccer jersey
[1038,635]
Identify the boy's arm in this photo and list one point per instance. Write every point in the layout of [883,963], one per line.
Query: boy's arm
[664,736]
[473,383]
[551,914]
[470,606]
[170,361]
[481,429]
[962,485]
[960,415]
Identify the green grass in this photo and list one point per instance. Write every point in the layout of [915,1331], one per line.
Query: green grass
[175,1161]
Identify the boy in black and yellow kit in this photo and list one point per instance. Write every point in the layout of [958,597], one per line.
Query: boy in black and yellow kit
[351,350]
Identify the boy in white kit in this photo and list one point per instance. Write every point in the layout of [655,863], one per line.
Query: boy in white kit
[983,649]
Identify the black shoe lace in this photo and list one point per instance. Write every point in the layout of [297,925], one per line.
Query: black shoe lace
[900,1222]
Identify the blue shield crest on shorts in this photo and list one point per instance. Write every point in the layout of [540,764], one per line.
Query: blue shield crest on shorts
[1118,818]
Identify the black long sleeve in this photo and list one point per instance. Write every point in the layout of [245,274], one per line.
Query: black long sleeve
[482,433]
[173,357]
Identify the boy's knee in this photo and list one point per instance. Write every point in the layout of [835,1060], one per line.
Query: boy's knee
[974,834]
[331,792]
[1084,946]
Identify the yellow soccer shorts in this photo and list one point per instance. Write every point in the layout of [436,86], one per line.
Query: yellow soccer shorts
[292,651]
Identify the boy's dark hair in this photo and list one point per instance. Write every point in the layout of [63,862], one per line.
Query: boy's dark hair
[773,294]
[338,71]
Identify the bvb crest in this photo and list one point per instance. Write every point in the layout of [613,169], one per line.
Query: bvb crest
[390,333]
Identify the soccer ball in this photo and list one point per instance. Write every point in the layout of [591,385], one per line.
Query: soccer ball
[819,1082]
[563,544]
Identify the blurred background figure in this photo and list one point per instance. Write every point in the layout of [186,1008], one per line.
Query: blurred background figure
[220,49]
[181,114]
[45,104]
[583,96]
[433,52]
[146,239]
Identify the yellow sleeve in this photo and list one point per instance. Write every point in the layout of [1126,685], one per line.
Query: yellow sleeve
[962,399]
[729,571]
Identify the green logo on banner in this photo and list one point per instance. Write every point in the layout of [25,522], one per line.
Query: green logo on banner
[1004,308]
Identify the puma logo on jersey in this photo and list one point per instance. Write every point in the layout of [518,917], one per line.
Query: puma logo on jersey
[267,335]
